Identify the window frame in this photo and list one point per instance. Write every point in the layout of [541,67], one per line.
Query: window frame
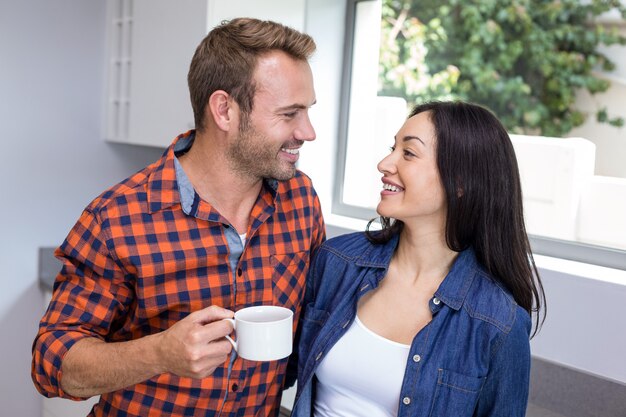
[556,248]
[338,206]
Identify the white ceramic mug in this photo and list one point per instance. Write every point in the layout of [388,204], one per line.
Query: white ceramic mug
[263,333]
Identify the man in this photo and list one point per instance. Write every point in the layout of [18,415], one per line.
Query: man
[222,221]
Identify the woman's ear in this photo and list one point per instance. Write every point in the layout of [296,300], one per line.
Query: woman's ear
[459,188]
[221,108]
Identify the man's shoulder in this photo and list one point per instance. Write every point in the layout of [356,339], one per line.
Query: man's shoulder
[131,189]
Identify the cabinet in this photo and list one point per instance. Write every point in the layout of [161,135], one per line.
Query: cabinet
[150,44]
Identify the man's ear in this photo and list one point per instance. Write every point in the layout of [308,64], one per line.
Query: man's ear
[222,109]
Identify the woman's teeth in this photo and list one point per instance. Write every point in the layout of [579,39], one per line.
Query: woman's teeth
[390,187]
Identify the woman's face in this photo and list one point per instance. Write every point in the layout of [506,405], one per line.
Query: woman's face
[412,188]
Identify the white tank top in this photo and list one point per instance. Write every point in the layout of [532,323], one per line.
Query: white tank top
[361,376]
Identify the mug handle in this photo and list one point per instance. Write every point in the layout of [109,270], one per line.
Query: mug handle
[232,342]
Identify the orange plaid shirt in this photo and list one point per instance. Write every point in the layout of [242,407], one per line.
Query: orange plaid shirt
[135,263]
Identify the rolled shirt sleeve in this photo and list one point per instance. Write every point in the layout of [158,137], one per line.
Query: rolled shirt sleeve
[89,299]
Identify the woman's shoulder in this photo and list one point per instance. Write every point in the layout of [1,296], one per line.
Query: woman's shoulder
[344,249]
[489,300]
[357,247]
[347,242]
[347,246]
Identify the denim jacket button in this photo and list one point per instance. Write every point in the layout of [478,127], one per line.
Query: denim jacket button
[417,358]
[436,301]
[406,401]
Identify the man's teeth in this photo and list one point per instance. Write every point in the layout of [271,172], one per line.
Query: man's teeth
[390,187]
[291,151]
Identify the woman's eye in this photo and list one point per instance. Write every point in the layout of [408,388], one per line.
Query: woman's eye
[392,148]
[408,153]
[290,115]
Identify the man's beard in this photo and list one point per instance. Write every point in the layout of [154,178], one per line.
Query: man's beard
[254,155]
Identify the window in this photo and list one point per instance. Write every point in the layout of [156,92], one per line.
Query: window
[574,189]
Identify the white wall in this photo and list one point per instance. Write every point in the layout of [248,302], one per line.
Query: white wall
[53,161]
[585,327]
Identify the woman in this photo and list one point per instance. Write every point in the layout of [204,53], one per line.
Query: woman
[431,315]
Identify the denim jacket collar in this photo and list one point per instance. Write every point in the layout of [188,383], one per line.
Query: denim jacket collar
[457,283]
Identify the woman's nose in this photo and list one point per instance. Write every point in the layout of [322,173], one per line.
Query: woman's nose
[387,164]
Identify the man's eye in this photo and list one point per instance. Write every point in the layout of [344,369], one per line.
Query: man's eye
[290,115]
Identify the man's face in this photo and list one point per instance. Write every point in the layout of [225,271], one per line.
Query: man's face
[269,138]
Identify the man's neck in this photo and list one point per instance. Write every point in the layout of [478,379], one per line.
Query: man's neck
[232,195]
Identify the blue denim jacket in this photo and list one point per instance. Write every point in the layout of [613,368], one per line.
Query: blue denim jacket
[472,359]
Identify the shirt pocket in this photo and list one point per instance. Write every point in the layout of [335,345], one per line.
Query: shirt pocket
[288,278]
[456,394]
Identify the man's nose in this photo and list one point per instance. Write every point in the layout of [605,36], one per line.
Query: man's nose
[305,130]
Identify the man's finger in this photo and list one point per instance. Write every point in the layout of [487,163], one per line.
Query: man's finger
[215,330]
[210,314]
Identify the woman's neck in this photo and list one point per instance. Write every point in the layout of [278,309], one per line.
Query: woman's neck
[424,257]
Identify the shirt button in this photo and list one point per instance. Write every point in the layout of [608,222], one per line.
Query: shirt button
[436,301]
[240,272]
[417,358]
[235,387]
[406,401]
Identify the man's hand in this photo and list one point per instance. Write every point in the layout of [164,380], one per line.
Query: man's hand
[195,346]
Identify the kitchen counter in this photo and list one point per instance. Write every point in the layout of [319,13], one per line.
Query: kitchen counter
[49,267]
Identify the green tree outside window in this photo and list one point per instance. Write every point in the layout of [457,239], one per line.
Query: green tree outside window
[524,59]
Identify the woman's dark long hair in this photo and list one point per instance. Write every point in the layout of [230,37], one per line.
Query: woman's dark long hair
[479,173]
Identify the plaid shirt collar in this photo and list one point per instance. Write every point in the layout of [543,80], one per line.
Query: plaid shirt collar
[168,185]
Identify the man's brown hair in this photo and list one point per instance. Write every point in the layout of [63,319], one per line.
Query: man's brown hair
[227,56]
